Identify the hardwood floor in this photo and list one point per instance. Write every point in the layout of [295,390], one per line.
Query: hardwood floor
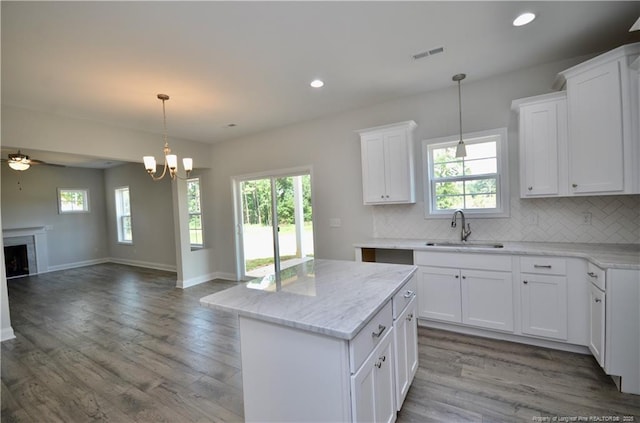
[121,344]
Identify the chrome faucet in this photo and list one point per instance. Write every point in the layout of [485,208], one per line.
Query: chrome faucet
[466,229]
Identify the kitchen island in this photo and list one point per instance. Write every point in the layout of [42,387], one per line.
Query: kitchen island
[318,341]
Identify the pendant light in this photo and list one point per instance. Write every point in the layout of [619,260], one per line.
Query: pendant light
[170,160]
[461,150]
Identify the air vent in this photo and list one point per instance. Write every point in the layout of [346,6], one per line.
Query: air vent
[427,53]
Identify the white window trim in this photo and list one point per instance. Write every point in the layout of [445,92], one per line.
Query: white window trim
[196,246]
[119,217]
[502,152]
[87,208]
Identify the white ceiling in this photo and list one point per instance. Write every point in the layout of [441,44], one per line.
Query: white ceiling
[250,63]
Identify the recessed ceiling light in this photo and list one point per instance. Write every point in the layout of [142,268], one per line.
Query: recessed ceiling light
[317,83]
[524,19]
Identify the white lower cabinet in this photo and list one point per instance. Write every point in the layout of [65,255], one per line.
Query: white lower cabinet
[439,294]
[480,294]
[405,328]
[487,299]
[372,385]
[544,306]
[597,323]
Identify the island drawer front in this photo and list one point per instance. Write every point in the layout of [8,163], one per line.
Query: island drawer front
[596,276]
[543,265]
[497,262]
[369,337]
[402,299]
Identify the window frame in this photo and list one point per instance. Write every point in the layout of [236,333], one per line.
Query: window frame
[502,208]
[195,246]
[120,215]
[86,203]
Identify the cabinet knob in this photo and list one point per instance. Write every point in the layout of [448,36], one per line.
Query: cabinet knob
[408,294]
[574,185]
[383,358]
[525,282]
[464,277]
[410,317]
[598,300]
[530,188]
[457,276]
[378,364]
[593,275]
[387,196]
[382,196]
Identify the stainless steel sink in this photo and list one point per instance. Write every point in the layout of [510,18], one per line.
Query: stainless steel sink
[465,244]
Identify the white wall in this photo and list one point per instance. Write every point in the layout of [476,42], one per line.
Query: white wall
[30,199]
[151,217]
[332,147]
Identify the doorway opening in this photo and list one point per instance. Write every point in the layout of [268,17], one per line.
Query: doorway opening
[274,218]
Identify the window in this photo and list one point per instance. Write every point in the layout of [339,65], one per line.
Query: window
[123,215]
[73,200]
[195,213]
[477,183]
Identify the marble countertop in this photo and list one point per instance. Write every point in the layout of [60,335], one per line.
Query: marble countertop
[621,256]
[334,298]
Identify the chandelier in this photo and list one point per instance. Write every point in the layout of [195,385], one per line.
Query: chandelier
[19,161]
[170,160]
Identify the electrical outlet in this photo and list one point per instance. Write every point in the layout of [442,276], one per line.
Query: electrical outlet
[586,218]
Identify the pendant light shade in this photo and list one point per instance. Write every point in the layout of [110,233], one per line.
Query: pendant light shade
[461,150]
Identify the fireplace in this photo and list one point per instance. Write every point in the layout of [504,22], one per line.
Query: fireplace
[25,251]
[16,260]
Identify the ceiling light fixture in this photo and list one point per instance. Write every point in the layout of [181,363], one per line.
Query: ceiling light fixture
[317,83]
[461,150]
[170,160]
[524,18]
[19,161]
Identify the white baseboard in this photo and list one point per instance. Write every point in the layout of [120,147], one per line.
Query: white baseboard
[146,264]
[204,278]
[6,334]
[556,345]
[75,265]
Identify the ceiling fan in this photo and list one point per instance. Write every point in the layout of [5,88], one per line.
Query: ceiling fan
[18,161]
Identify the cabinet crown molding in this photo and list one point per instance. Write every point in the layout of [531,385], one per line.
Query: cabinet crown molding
[627,50]
[409,124]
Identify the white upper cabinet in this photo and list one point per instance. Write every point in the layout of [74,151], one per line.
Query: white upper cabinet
[543,137]
[589,143]
[602,104]
[387,164]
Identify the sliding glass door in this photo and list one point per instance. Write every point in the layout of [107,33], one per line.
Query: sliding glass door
[274,222]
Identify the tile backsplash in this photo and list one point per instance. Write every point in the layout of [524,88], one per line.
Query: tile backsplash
[606,219]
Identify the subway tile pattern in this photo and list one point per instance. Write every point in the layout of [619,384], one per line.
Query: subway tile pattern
[605,219]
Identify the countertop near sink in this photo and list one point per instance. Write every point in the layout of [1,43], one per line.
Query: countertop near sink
[621,256]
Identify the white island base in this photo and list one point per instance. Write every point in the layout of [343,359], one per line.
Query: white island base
[293,375]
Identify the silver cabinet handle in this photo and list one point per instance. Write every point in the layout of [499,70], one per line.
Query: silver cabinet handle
[408,294]
[410,317]
[542,266]
[574,185]
[593,275]
[457,276]
[378,364]
[530,188]
[381,329]
[598,300]
[525,282]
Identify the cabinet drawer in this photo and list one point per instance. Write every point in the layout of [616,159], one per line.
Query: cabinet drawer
[543,265]
[463,260]
[369,337]
[596,276]
[404,296]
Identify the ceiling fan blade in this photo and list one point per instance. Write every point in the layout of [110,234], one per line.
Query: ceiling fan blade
[40,162]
